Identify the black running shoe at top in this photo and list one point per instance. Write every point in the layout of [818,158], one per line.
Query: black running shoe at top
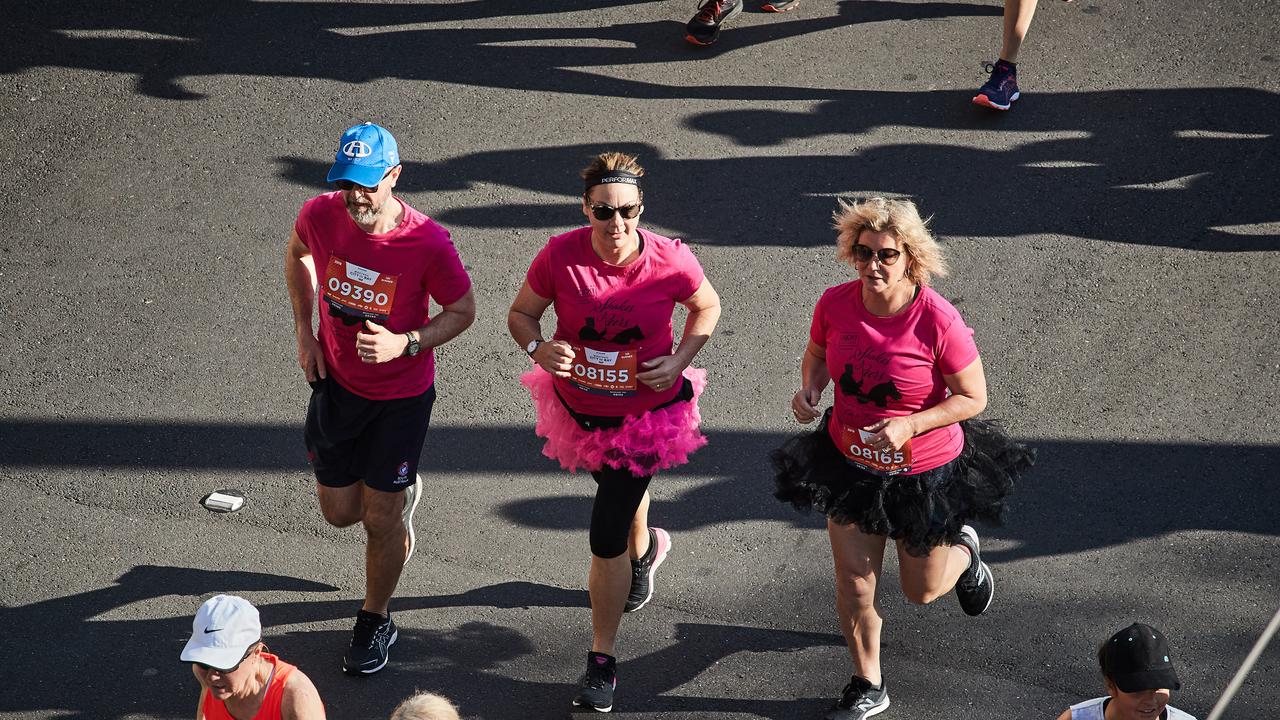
[704,28]
[595,689]
[976,587]
[859,700]
[370,644]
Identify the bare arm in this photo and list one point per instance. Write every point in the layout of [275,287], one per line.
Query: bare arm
[663,372]
[300,277]
[301,701]
[814,378]
[1066,715]
[968,398]
[376,344]
[704,313]
[524,322]
[449,322]
[200,704]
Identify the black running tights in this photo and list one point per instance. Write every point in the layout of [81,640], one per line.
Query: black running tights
[618,496]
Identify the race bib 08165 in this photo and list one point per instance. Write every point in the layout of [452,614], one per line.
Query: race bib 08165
[854,445]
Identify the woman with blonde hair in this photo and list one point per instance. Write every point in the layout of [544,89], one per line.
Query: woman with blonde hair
[612,394]
[425,706]
[898,455]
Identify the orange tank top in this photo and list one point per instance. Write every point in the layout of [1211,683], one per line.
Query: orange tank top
[214,709]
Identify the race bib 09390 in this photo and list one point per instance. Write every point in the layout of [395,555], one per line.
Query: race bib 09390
[358,291]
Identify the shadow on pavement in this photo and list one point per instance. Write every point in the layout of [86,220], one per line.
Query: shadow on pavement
[1167,170]
[164,43]
[135,667]
[1099,485]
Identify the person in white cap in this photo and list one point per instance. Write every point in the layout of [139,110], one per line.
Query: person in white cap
[372,265]
[1138,673]
[239,679]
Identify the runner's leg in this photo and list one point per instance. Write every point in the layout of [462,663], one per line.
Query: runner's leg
[858,558]
[928,578]
[638,542]
[619,495]
[387,546]
[1017,19]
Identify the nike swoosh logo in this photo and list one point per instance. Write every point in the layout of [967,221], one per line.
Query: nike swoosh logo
[212,630]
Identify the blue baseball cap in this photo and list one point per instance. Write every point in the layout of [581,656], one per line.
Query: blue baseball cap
[365,153]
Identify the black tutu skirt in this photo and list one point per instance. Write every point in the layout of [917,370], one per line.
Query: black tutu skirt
[924,510]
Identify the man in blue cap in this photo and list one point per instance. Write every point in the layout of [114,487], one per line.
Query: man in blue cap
[371,265]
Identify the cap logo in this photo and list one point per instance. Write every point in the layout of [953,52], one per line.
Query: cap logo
[357,149]
[212,630]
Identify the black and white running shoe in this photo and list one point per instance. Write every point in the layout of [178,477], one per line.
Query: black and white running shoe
[704,28]
[370,644]
[643,570]
[976,587]
[595,689]
[859,700]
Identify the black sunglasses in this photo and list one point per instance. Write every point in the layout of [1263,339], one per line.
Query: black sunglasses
[604,211]
[348,185]
[886,256]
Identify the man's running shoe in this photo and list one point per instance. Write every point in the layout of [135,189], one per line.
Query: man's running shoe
[860,700]
[412,495]
[780,5]
[642,570]
[704,28]
[595,690]
[373,637]
[1001,89]
[976,587]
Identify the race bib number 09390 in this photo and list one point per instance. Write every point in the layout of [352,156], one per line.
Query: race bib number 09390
[854,444]
[604,372]
[358,291]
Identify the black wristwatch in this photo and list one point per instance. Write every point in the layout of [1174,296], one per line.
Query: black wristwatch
[413,348]
[532,347]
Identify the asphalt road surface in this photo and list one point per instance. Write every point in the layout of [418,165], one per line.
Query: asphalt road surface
[1115,241]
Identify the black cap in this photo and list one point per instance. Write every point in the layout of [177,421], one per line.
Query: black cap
[1137,659]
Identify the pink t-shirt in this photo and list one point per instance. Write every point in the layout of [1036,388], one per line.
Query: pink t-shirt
[388,278]
[616,317]
[892,366]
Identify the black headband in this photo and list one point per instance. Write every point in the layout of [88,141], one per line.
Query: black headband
[616,176]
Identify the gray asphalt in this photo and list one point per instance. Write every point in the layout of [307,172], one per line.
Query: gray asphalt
[1115,242]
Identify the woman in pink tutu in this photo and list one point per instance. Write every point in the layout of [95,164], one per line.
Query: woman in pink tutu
[611,393]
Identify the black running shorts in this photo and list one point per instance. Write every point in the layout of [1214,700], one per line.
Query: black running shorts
[352,438]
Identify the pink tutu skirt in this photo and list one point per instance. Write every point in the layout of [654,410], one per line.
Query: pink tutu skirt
[643,445]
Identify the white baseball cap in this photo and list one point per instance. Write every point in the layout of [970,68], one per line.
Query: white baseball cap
[224,629]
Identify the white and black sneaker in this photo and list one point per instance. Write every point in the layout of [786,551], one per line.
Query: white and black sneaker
[643,570]
[860,699]
[412,495]
[370,644]
[976,587]
[595,689]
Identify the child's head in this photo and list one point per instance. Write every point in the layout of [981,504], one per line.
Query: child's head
[1138,671]
[425,706]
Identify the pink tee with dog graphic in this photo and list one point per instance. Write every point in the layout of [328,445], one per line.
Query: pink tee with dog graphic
[886,367]
[615,317]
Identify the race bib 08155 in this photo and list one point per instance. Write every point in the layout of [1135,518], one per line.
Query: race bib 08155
[604,372]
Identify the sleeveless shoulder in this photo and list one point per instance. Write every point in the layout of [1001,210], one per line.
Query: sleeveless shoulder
[1088,710]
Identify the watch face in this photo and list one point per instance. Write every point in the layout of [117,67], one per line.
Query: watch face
[531,347]
[413,348]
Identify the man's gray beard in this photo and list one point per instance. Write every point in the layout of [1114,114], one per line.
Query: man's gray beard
[364,216]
